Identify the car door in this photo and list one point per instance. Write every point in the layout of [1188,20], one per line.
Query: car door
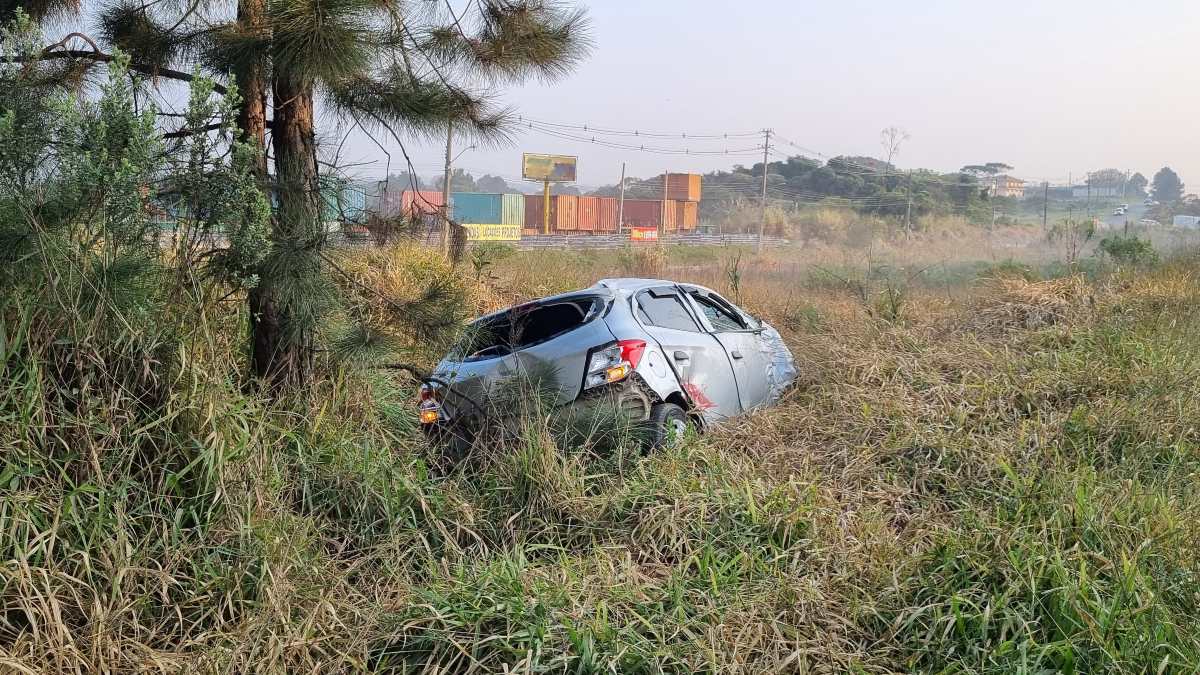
[699,360]
[739,334]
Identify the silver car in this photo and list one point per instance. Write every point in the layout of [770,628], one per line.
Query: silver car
[671,354]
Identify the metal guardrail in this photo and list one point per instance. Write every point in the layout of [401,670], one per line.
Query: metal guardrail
[619,241]
[597,242]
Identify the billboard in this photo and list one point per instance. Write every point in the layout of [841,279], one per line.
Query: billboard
[552,168]
[643,234]
[492,232]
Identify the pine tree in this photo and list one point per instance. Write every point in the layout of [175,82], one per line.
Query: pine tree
[394,67]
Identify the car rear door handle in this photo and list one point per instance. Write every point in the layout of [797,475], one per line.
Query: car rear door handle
[681,357]
[735,354]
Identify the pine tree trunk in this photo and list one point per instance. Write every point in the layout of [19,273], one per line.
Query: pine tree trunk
[281,346]
[252,85]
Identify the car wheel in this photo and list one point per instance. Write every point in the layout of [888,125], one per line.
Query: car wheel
[668,424]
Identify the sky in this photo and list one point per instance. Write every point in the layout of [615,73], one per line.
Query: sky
[1054,89]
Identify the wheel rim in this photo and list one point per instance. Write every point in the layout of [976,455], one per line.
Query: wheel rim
[676,428]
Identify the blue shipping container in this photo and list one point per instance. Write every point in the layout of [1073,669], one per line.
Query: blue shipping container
[476,207]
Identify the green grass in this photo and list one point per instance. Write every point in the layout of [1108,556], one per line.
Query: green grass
[937,495]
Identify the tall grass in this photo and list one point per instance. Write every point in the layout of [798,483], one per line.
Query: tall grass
[966,490]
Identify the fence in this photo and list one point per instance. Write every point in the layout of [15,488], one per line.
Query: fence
[594,242]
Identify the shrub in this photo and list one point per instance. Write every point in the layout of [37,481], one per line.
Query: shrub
[1129,250]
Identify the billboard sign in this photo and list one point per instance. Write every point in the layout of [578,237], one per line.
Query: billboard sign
[643,234]
[552,168]
[492,232]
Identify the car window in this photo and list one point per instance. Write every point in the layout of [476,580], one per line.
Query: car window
[665,311]
[719,316]
[524,326]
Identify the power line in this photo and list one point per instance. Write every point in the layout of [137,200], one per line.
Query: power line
[641,148]
[641,133]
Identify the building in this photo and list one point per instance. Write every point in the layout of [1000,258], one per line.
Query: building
[1096,191]
[1007,186]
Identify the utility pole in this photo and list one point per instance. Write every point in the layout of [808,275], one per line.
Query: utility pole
[1089,195]
[908,208]
[662,220]
[1045,203]
[446,194]
[1071,191]
[621,202]
[762,223]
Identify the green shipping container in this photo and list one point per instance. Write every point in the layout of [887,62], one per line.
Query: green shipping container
[512,209]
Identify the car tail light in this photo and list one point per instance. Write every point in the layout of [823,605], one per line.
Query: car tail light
[613,363]
[632,350]
[429,411]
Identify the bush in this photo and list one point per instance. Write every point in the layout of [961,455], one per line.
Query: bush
[1129,250]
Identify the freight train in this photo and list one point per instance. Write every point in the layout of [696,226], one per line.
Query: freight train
[569,214]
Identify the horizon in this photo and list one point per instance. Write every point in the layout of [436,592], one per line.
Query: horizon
[1054,92]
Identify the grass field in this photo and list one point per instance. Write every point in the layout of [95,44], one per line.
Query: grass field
[989,465]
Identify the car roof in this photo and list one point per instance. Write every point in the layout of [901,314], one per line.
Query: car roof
[632,284]
[604,287]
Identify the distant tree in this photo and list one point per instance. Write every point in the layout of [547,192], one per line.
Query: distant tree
[404,181]
[490,183]
[1168,188]
[891,139]
[985,170]
[1107,178]
[1137,184]
[460,181]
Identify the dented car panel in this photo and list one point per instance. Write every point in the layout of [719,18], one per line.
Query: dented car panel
[643,342]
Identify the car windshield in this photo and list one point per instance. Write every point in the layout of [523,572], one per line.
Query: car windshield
[524,326]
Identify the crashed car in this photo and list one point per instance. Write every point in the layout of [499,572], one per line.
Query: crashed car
[673,355]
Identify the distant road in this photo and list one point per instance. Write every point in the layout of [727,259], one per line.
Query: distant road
[1137,211]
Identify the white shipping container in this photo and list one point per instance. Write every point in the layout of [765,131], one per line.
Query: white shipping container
[1187,221]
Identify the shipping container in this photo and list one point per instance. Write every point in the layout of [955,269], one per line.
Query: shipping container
[588,210]
[533,212]
[341,202]
[425,202]
[689,215]
[606,214]
[475,207]
[512,210]
[684,187]
[643,213]
[564,213]
[671,213]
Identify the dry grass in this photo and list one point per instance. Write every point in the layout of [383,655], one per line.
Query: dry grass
[998,478]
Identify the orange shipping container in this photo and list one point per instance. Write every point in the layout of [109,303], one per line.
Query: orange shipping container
[564,213]
[671,215]
[689,215]
[684,187]
[606,220]
[588,213]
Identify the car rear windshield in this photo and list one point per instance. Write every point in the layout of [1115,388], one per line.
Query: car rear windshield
[525,326]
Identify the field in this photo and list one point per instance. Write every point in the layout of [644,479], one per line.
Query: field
[989,465]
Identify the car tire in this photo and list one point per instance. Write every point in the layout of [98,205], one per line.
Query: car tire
[667,425]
